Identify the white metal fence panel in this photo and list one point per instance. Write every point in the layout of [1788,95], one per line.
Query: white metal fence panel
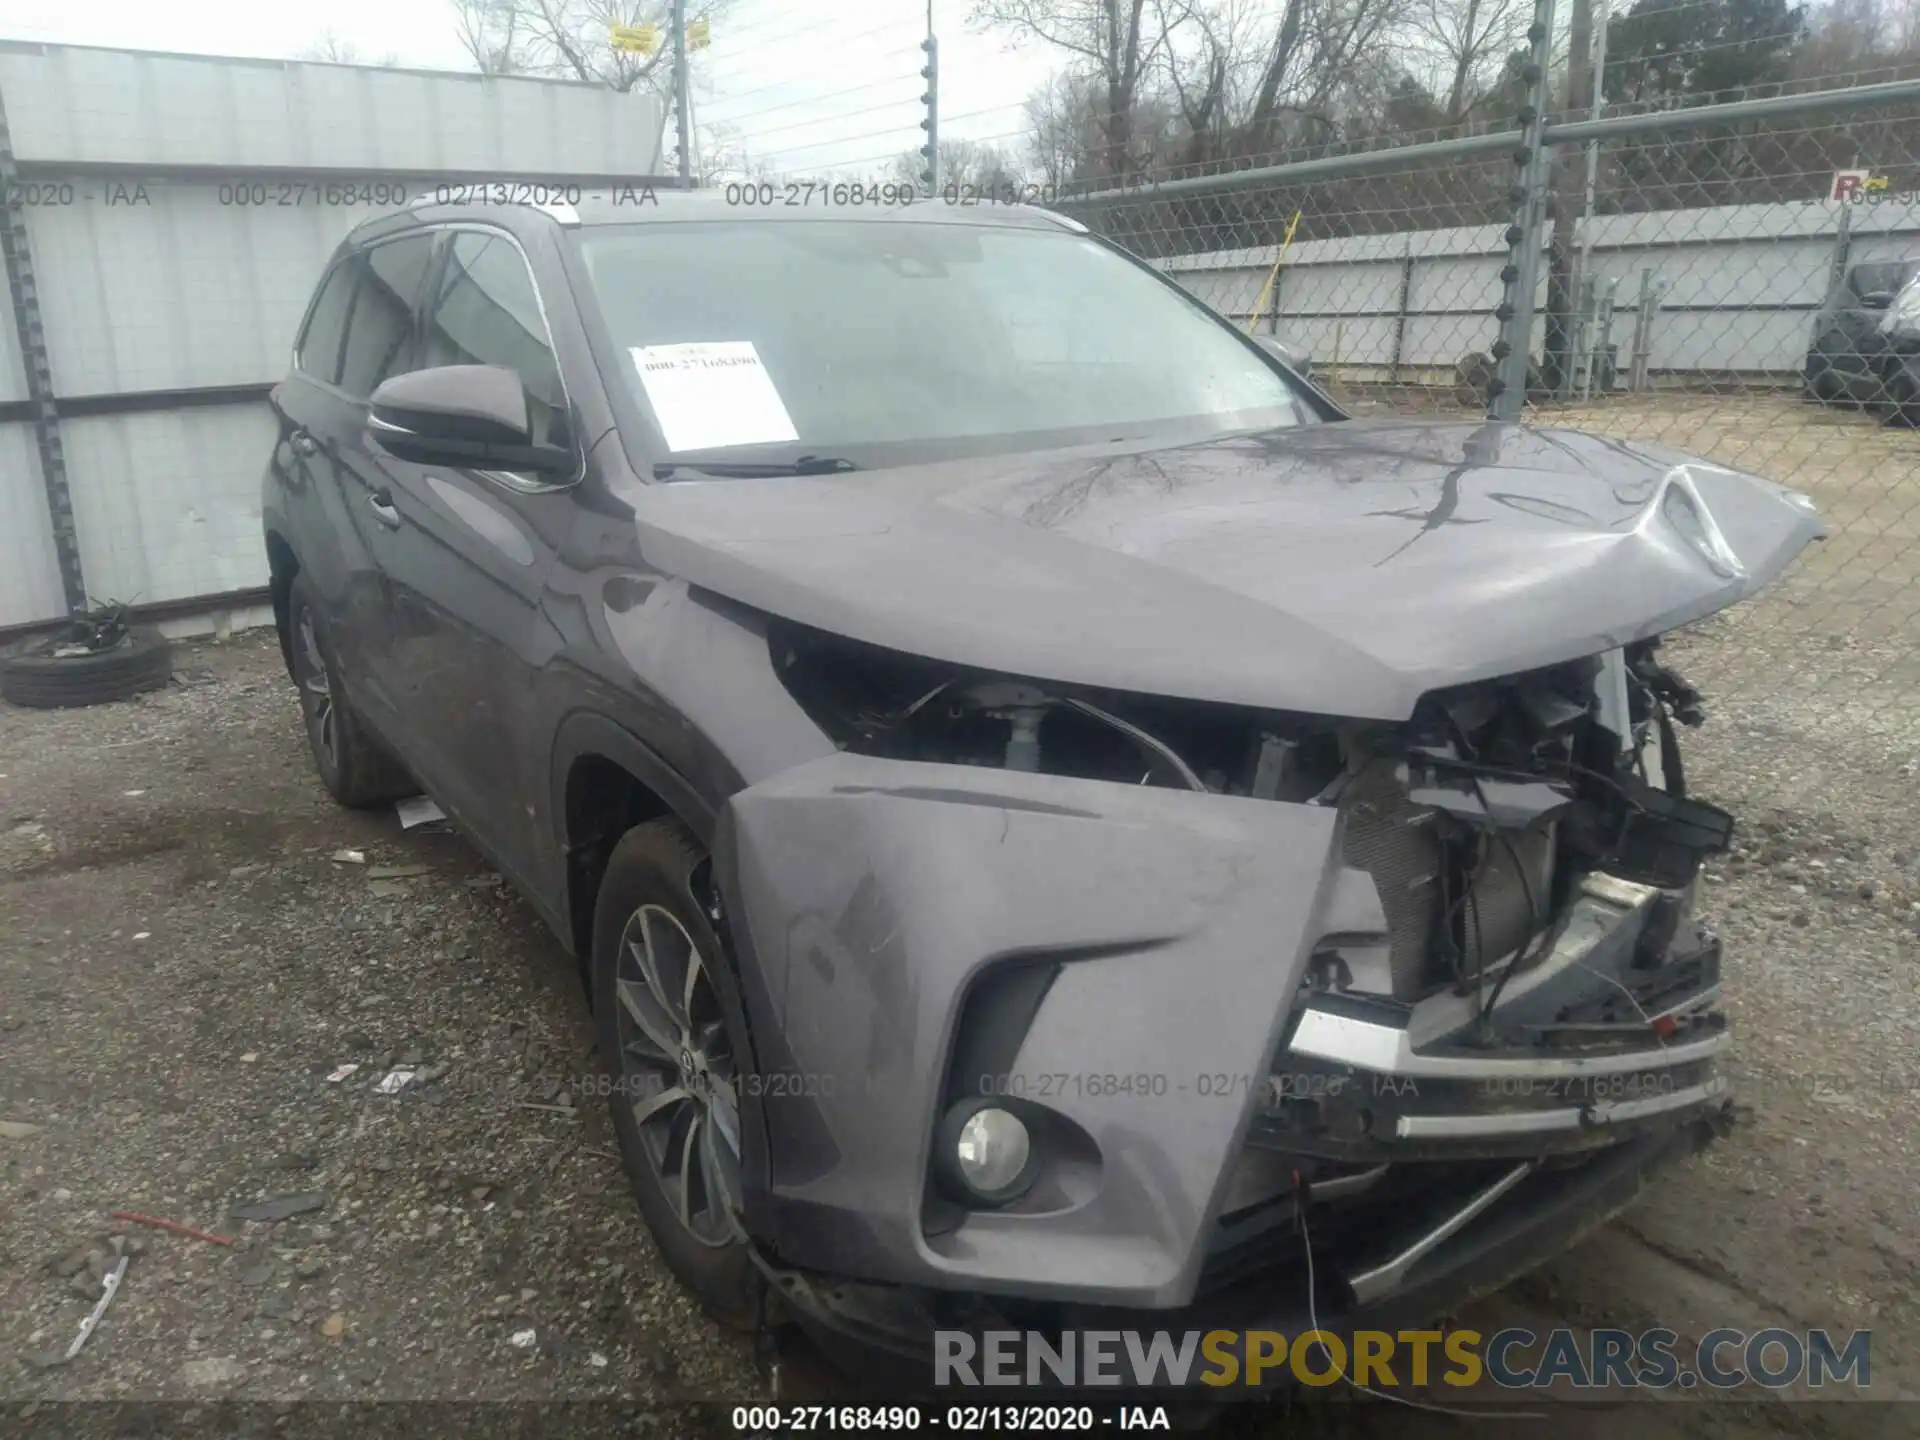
[81,106]
[167,502]
[29,574]
[180,210]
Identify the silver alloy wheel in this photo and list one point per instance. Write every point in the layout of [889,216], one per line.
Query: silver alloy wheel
[678,1074]
[316,694]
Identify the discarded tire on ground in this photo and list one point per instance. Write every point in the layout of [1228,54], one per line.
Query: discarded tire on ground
[36,675]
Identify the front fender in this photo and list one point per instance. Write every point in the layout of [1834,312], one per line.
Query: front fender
[867,896]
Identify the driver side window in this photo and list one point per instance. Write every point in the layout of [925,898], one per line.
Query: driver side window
[485,311]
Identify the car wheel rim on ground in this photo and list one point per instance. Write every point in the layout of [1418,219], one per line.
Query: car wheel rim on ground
[678,1074]
[316,694]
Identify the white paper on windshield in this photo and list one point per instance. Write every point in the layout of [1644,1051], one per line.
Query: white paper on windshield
[713,394]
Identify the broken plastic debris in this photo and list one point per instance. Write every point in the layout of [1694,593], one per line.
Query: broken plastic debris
[597,1360]
[278,1207]
[249,1057]
[393,1082]
[110,1288]
[17,1129]
[174,1225]
[143,934]
[417,810]
[523,1339]
[348,857]
[339,1073]
[133,794]
[398,872]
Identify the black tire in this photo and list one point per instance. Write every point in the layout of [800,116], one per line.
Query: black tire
[1819,379]
[31,677]
[357,769]
[1903,393]
[653,869]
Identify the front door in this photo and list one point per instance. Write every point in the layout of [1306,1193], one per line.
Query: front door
[472,555]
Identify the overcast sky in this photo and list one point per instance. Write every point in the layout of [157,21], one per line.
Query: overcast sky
[804,95]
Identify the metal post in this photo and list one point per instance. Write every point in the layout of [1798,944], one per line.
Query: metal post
[1559,347]
[1587,358]
[17,257]
[684,116]
[1400,314]
[1508,392]
[1842,249]
[930,72]
[1649,305]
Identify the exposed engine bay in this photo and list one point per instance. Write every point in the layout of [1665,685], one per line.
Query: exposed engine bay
[1477,819]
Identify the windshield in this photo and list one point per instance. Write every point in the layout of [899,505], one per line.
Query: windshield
[888,341]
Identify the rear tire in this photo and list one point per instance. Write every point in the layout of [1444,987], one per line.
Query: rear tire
[357,769]
[670,1032]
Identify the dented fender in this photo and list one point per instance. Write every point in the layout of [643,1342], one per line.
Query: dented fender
[865,898]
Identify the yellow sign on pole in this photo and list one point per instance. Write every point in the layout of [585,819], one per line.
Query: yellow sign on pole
[698,34]
[635,39]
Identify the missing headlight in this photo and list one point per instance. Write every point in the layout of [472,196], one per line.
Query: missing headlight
[880,702]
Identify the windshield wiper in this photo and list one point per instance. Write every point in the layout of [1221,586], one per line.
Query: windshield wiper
[755,470]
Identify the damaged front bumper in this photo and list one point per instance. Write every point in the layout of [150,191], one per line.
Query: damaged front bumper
[1127,969]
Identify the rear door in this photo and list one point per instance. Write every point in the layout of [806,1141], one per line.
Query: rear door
[470,558]
[382,339]
[318,422]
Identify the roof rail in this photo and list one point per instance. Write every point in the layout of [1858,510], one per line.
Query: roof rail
[560,210]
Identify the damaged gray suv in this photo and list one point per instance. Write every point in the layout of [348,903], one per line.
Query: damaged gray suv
[1042,802]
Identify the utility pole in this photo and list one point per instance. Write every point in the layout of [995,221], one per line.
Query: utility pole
[684,117]
[930,72]
[1558,361]
[1507,395]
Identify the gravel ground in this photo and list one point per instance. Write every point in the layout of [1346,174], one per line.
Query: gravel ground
[181,967]
[183,963]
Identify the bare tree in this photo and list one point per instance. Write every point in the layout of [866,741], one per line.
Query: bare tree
[967,166]
[1469,41]
[1121,41]
[570,38]
[1063,127]
[329,46]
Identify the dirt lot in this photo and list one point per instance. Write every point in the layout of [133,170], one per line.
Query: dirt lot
[182,964]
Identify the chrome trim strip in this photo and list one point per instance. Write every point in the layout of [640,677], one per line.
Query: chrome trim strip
[1344,1040]
[1384,1278]
[1525,1122]
[1341,1185]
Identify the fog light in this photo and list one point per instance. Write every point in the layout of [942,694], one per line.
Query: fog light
[985,1153]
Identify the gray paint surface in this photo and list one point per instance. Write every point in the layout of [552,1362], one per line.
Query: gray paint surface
[1338,569]
[872,892]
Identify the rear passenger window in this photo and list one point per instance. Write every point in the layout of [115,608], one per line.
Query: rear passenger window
[317,352]
[486,312]
[380,340]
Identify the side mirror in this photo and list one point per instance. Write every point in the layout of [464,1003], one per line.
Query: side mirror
[470,416]
[1293,359]
[1877,299]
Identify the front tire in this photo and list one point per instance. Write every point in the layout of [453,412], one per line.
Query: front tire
[356,769]
[668,1027]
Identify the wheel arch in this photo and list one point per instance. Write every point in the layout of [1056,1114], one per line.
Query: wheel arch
[282,566]
[605,781]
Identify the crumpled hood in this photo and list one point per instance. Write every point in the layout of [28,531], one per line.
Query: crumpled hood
[1344,568]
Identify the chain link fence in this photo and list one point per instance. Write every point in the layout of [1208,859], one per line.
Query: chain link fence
[1709,280]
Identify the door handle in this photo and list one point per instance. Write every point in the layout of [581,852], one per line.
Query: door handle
[303,443]
[382,502]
